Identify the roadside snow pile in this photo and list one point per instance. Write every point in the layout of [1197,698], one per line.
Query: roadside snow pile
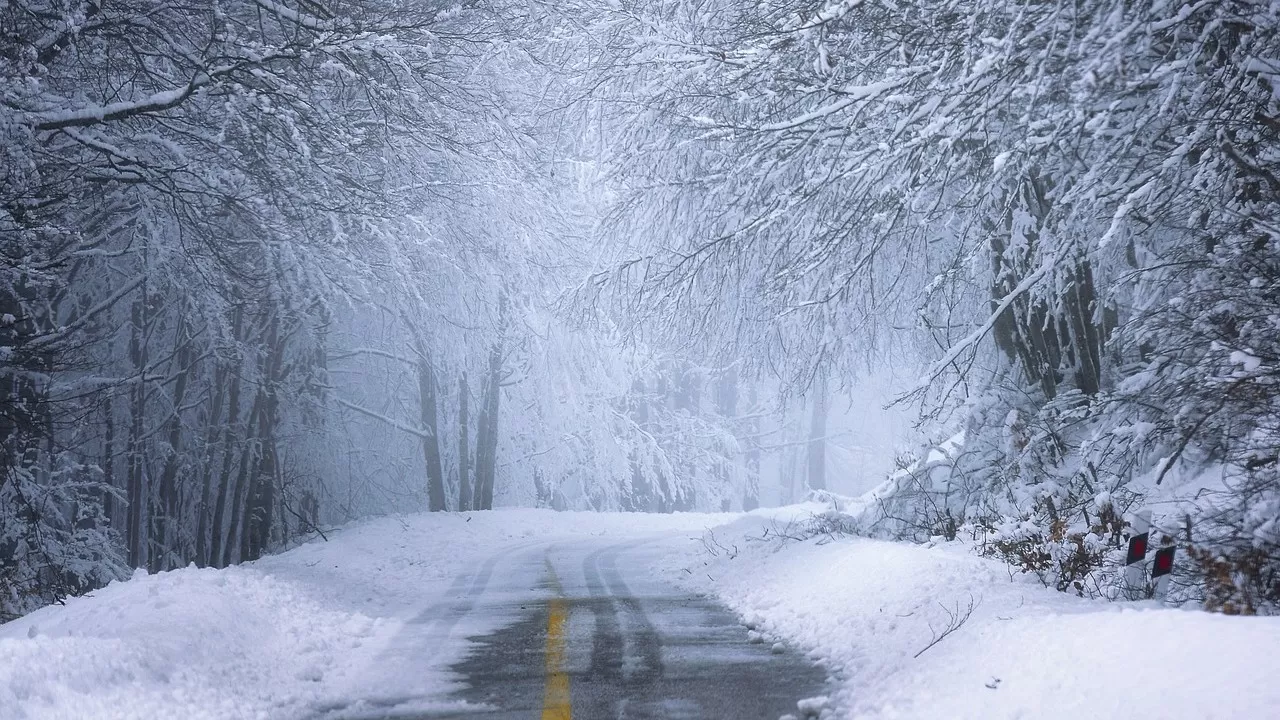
[217,644]
[290,636]
[867,608]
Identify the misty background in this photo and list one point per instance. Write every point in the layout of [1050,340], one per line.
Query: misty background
[270,266]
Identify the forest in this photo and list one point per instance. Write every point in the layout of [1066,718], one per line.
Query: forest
[268,266]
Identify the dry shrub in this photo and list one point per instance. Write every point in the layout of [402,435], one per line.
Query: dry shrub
[1241,581]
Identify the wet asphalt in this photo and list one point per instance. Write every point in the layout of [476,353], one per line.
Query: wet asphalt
[634,646]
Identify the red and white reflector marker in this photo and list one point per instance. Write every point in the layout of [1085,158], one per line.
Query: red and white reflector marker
[1137,548]
[1161,568]
[1135,575]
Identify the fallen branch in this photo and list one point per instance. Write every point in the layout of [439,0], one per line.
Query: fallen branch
[955,620]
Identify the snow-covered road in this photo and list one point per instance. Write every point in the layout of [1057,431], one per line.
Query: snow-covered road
[524,613]
[369,624]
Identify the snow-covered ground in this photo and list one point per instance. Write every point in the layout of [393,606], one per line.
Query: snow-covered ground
[866,608]
[295,634]
[286,637]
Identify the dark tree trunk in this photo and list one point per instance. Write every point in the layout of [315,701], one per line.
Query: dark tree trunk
[487,435]
[1085,337]
[137,491]
[204,511]
[164,521]
[260,503]
[428,404]
[238,497]
[109,460]
[260,499]
[1045,341]
[217,532]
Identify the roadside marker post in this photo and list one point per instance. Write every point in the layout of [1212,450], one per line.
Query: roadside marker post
[1135,575]
[1162,568]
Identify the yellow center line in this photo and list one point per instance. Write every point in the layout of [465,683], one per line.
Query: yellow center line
[555,701]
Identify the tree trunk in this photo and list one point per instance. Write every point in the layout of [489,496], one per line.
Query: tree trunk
[204,511]
[1045,339]
[643,496]
[487,440]
[751,494]
[789,462]
[487,437]
[135,531]
[464,445]
[1085,337]
[234,539]
[260,499]
[260,496]
[109,460]
[688,397]
[164,523]
[216,531]
[727,404]
[428,405]
[818,438]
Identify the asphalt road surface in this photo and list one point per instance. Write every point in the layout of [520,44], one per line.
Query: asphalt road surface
[589,633]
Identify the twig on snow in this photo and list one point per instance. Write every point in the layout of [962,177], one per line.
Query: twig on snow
[956,618]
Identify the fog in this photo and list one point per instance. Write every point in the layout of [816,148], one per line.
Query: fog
[266,269]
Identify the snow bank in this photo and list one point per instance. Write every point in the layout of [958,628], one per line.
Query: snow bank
[217,644]
[307,631]
[290,636]
[865,608]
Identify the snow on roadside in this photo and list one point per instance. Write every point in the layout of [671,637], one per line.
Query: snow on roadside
[285,637]
[299,632]
[865,608]
[206,643]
